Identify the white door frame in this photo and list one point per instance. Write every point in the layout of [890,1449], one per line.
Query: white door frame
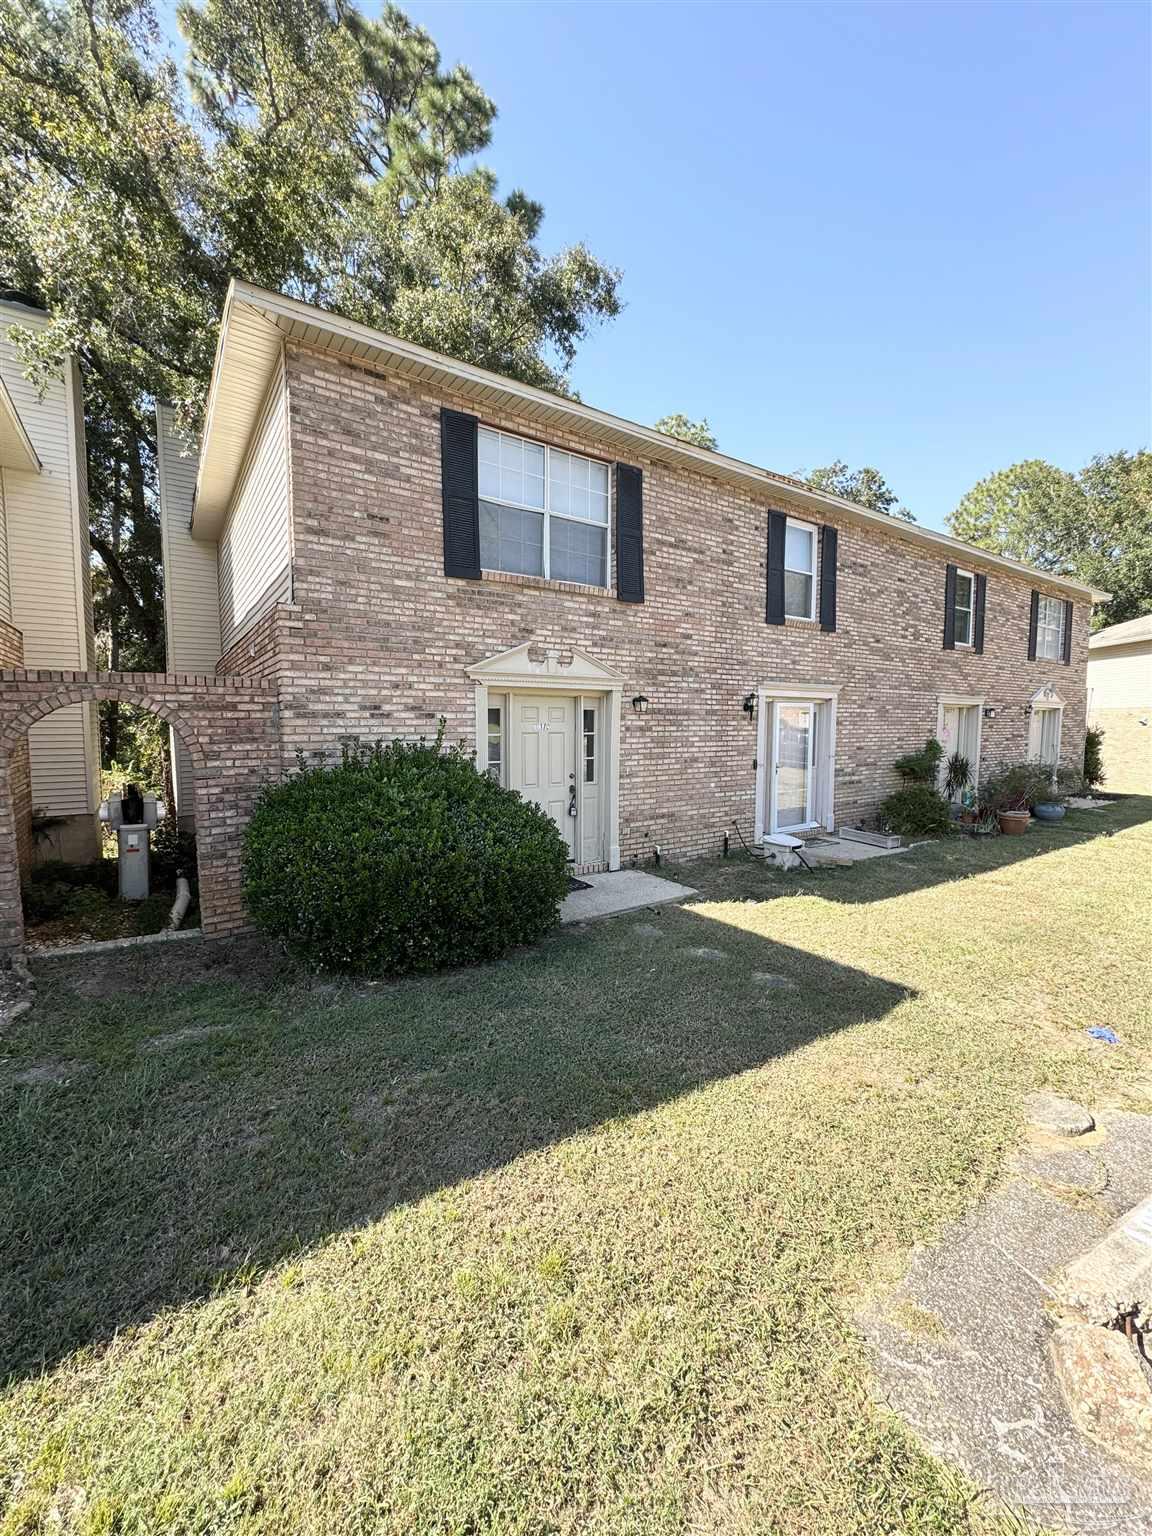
[809,707]
[823,784]
[962,701]
[536,667]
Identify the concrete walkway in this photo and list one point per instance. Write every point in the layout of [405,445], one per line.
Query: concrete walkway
[621,890]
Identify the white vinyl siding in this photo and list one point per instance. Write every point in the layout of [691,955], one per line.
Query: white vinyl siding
[48,555]
[191,581]
[5,589]
[255,545]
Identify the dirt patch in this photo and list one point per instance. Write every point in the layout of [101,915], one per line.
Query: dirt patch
[155,967]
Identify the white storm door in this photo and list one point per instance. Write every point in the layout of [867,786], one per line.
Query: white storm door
[793,744]
[544,763]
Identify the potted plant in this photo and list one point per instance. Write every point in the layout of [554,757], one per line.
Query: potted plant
[1010,795]
[957,778]
[1050,805]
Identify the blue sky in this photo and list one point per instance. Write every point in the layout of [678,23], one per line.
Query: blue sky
[916,236]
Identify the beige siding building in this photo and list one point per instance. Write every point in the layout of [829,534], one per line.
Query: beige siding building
[45,586]
[1120,702]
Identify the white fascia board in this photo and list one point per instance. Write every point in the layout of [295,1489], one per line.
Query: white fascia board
[220,465]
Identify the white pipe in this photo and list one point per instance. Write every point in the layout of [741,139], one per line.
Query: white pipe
[181,904]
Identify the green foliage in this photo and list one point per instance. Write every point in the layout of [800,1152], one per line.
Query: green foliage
[1095,526]
[308,148]
[173,852]
[921,767]
[1017,788]
[401,858]
[958,775]
[1094,774]
[699,433]
[866,487]
[916,810]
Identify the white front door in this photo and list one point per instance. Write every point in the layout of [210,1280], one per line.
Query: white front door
[544,757]
[960,733]
[793,756]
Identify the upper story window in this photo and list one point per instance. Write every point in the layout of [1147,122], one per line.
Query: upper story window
[965,587]
[543,512]
[799,570]
[1050,629]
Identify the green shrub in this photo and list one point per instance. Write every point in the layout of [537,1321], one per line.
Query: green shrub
[1094,774]
[921,767]
[1017,788]
[401,858]
[916,810]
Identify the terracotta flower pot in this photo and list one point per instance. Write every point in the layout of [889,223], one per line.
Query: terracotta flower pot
[1013,823]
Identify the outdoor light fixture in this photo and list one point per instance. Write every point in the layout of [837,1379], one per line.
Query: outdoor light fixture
[989,711]
[750,705]
[640,703]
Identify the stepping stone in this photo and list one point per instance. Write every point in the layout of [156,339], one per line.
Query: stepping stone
[1106,1390]
[1084,1171]
[647,931]
[51,1074]
[181,1037]
[772,979]
[704,953]
[1059,1117]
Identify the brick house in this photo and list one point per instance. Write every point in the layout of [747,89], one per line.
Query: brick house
[658,643]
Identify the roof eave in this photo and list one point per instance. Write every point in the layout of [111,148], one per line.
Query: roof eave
[16,450]
[294,319]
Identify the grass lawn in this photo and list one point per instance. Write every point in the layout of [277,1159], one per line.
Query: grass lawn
[569,1244]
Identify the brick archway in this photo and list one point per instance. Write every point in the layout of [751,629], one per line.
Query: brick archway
[230,728]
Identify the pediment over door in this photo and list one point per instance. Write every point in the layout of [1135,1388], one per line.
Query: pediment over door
[1045,694]
[543,663]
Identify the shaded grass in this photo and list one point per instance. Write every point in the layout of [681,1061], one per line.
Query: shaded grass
[568,1244]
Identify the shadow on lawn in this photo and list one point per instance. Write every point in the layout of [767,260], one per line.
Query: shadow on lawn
[230,1116]
[222,1114]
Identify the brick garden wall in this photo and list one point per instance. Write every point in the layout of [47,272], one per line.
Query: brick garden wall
[19,759]
[379,639]
[229,727]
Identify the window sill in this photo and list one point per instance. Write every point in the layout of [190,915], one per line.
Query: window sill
[515,579]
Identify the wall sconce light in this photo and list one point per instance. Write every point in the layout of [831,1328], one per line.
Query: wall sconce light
[640,703]
[749,706]
[989,711]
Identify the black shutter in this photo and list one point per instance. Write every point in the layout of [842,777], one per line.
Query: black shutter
[460,489]
[950,608]
[1033,622]
[629,533]
[777,528]
[978,616]
[827,577]
[1067,657]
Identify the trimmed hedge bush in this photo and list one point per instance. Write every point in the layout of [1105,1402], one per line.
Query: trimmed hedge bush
[916,810]
[401,858]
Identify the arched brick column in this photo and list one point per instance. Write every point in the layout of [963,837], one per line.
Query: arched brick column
[231,730]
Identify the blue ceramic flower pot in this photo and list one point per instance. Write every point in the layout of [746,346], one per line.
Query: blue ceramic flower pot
[1046,811]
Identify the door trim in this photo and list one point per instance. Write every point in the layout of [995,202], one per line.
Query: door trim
[963,701]
[538,668]
[827,696]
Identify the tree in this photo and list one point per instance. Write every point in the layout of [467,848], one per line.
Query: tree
[867,487]
[1095,526]
[309,149]
[698,433]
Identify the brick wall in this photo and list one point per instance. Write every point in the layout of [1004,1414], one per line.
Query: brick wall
[19,760]
[229,727]
[382,638]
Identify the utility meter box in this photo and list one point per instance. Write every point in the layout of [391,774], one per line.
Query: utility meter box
[132,816]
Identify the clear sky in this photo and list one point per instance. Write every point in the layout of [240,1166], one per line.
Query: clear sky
[915,236]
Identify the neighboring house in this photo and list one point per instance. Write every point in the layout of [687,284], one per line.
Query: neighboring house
[658,643]
[1120,702]
[45,589]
